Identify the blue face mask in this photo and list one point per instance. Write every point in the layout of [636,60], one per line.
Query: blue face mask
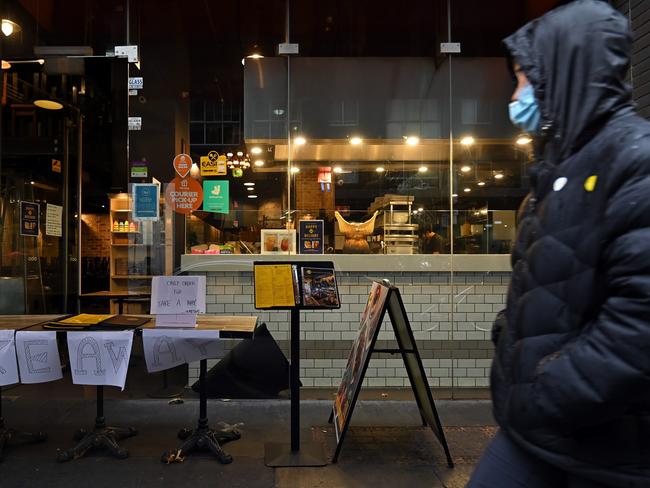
[524,112]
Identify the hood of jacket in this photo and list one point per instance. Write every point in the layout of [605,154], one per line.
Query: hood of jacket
[576,57]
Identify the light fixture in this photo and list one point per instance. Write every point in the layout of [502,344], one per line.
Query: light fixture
[337,169]
[252,196]
[278,111]
[355,141]
[524,140]
[300,141]
[251,56]
[249,183]
[256,150]
[498,176]
[454,195]
[467,190]
[423,169]
[420,209]
[259,163]
[466,169]
[379,169]
[481,183]
[9,27]
[295,169]
[240,153]
[467,141]
[6,64]
[250,188]
[230,155]
[31,182]
[48,104]
[195,172]
[412,140]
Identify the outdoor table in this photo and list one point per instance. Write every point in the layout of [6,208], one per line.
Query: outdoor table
[119,296]
[16,323]
[203,437]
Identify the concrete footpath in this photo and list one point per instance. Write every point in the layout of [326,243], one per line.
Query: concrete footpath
[385,447]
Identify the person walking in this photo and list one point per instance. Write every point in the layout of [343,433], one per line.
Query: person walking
[571,374]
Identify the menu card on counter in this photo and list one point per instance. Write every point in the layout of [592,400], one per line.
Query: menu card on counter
[274,286]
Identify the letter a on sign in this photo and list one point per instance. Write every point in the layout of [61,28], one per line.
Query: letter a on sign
[100,358]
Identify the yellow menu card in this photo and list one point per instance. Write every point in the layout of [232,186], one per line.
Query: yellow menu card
[274,286]
[85,319]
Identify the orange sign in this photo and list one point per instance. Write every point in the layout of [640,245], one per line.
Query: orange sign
[184,195]
[182,164]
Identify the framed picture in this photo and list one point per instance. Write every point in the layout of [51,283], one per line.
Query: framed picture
[278,241]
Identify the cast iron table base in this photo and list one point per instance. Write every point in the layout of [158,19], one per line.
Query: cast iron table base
[7,435]
[101,436]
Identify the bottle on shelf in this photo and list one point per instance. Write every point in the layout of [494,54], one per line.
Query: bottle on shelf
[116,226]
[132,227]
[126,226]
[121,227]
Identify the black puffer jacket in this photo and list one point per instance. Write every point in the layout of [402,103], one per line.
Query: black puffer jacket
[571,374]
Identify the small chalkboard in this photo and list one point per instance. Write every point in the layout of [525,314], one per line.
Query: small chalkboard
[382,299]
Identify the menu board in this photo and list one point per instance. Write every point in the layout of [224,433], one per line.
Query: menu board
[30,218]
[311,236]
[274,286]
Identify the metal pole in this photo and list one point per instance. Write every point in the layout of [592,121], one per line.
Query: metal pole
[79,206]
[66,210]
[287,33]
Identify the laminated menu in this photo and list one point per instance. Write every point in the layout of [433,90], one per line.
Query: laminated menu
[319,287]
[274,286]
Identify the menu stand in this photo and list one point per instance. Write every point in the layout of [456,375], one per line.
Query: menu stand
[101,436]
[7,435]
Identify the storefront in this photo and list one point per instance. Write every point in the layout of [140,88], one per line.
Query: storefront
[377,143]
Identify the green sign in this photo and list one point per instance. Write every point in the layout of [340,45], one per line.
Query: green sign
[215,196]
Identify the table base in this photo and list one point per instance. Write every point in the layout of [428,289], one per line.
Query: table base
[102,436]
[280,455]
[203,438]
[8,435]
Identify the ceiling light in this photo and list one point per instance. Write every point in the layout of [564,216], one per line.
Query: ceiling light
[6,64]
[355,141]
[300,141]
[252,196]
[466,169]
[249,183]
[338,169]
[48,104]
[524,140]
[295,169]
[454,195]
[9,27]
[498,176]
[412,140]
[423,169]
[278,111]
[467,190]
[240,153]
[481,183]
[230,155]
[31,182]
[250,188]
[259,163]
[467,141]
[195,172]
[420,209]
[256,150]
[379,169]
[251,56]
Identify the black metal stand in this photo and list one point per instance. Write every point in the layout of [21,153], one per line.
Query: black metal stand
[290,455]
[7,435]
[203,438]
[102,436]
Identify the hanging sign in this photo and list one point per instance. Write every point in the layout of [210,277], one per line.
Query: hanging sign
[146,202]
[184,195]
[135,123]
[100,358]
[164,349]
[216,196]
[53,220]
[139,169]
[310,234]
[182,164]
[38,357]
[30,218]
[8,364]
[136,83]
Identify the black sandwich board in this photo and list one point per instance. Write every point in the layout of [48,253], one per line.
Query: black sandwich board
[384,298]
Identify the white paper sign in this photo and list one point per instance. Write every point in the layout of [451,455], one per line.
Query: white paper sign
[176,321]
[8,364]
[100,358]
[38,357]
[173,295]
[164,349]
[54,220]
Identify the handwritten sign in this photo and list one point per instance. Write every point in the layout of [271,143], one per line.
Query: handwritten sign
[177,295]
[164,349]
[100,358]
[8,364]
[38,356]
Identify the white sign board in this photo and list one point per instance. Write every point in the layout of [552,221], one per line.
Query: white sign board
[164,349]
[54,220]
[135,123]
[175,295]
[38,356]
[100,358]
[136,83]
[8,364]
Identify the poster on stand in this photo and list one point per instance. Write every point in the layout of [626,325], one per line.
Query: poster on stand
[30,219]
[146,202]
[310,234]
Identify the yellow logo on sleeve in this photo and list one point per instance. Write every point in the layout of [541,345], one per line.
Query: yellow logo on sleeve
[590,183]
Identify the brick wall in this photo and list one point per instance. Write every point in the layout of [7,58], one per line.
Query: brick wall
[95,235]
[451,324]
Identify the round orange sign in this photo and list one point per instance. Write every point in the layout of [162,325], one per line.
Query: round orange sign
[184,195]
[182,164]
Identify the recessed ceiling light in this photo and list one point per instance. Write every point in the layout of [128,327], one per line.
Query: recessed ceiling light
[355,141]
[524,140]
[249,183]
[423,169]
[250,188]
[412,140]
[481,183]
[252,196]
[467,141]
[230,155]
[48,104]
[259,163]
[300,141]
[9,27]
[454,195]
[466,169]
[421,209]
[256,150]
[295,169]
[31,182]
[240,153]
[498,176]
[338,169]
[278,111]
[379,169]
[467,190]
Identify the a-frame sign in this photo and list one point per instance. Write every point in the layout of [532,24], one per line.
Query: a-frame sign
[384,298]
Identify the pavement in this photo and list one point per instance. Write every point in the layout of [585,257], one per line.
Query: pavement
[386,445]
